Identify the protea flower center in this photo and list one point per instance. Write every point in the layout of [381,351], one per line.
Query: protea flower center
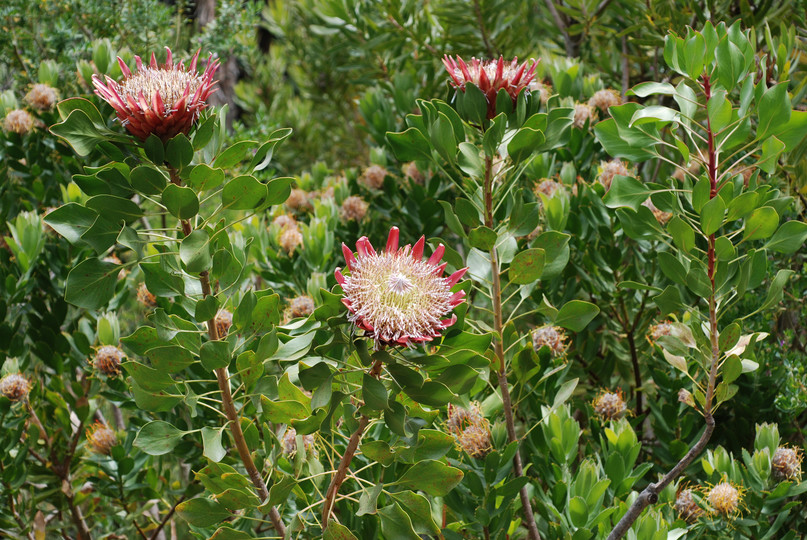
[396,296]
[161,99]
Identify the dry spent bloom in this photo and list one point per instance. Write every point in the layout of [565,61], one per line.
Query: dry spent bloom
[101,438]
[300,306]
[42,97]
[410,170]
[584,114]
[490,76]
[284,220]
[395,296]
[290,239]
[145,297]
[163,100]
[108,360]
[373,176]
[471,430]
[658,330]
[609,405]
[602,99]
[661,216]
[298,201]
[353,208]
[15,386]
[686,507]
[544,90]
[290,442]
[549,188]
[223,321]
[724,498]
[550,336]
[608,169]
[786,463]
[18,121]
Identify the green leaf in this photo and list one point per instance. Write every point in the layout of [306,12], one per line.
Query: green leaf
[378,451]
[729,63]
[86,106]
[434,477]
[373,393]
[337,531]
[115,209]
[283,411]
[524,143]
[774,111]
[578,511]
[718,110]
[482,238]
[228,533]
[91,284]
[148,179]
[469,161]
[651,88]
[729,336]
[155,150]
[71,220]
[169,358]
[368,502]
[180,201]
[211,440]
[451,219]
[215,355]
[775,291]
[234,154]
[418,509]
[576,314]
[278,190]
[243,193]
[762,223]
[772,148]
[683,235]
[443,138]
[794,131]
[80,132]
[206,308]
[158,438]
[204,178]
[148,378]
[527,266]
[732,368]
[608,135]
[194,252]
[201,512]
[179,151]
[627,192]
[788,238]
[431,393]
[712,215]
[409,145]
[263,156]
[396,524]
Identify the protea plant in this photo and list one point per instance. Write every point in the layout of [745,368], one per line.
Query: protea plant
[490,76]
[161,99]
[395,296]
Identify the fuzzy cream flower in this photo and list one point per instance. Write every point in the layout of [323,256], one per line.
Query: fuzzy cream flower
[18,121]
[298,201]
[300,306]
[373,176]
[549,188]
[353,208]
[724,498]
[584,113]
[290,239]
[163,100]
[544,90]
[609,169]
[42,97]
[686,507]
[15,386]
[101,438]
[602,99]
[395,296]
[471,430]
[661,216]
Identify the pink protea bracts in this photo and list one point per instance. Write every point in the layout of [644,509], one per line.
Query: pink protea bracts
[490,76]
[161,99]
[395,296]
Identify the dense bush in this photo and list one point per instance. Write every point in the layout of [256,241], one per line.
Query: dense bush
[583,316]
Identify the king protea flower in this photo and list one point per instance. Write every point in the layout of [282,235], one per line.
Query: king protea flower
[490,76]
[395,296]
[161,99]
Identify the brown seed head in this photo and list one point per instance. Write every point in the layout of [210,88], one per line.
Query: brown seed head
[108,360]
[42,97]
[686,507]
[354,208]
[550,336]
[602,99]
[18,121]
[786,463]
[300,306]
[373,176]
[101,438]
[15,386]
[609,405]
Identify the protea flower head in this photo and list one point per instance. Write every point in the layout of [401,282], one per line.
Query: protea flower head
[471,430]
[300,306]
[290,442]
[550,336]
[161,99]
[609,405]
[724,498]
[786,463]
[686,507]
[223,321]
[101,438]
[395,296]
[108,360]
[15,386]
[490,76]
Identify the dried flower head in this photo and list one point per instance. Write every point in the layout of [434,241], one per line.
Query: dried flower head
[223,321]
[15,386]
[460,418]
[544,90]
[298,201]
[284,220]
[353,208]
[145,297]
[410,170]
[550,336]
[786,463]
[609,169]
[602,99]
[609,405]
[163,100]
[108,360]
[471,430]
[724,498]
[42,97]
[18,121]
[290,442]
[661,216]
[395,296]
[101,438]
[584,114]
[658,330]
[373,176]
[290,239]
[300,306]
[686,507]
[490,76]
[549,188]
